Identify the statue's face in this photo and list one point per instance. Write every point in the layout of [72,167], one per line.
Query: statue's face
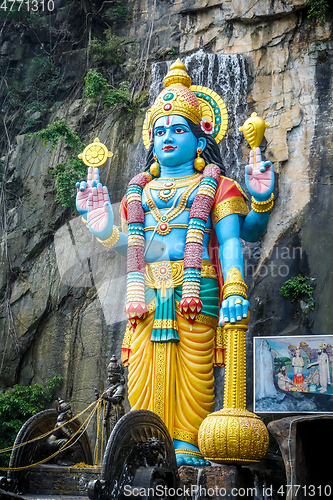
[112,377]
[174,142]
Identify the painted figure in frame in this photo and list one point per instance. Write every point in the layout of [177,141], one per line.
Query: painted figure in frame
[298,364]
[324,368]
[185,272]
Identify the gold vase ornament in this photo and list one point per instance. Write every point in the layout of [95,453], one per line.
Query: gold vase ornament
[233,436]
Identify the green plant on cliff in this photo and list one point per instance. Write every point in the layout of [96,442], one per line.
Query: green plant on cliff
[298,288]
[119,13]
[19,13]
[318,9]
[95,85]
[111,49]
[70,171]
[20,403]
[26,96]
[97,89]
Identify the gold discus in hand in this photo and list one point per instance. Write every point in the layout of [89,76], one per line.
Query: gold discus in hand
[95,154]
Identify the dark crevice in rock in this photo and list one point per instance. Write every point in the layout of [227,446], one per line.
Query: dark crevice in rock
[38,248]
[28,340]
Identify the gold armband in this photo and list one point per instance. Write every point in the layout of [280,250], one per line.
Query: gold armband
[234,284]
[262,206]
[112,240]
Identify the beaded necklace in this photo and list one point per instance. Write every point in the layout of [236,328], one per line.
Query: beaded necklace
[163,220]
[166,189]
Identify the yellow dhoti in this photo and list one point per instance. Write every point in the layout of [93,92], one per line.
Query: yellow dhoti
[174,380]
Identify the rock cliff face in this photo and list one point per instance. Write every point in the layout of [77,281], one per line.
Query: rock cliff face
[58,311]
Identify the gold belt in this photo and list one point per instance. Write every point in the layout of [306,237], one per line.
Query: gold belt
[162,275]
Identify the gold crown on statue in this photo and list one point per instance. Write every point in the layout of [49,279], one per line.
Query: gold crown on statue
[199,104]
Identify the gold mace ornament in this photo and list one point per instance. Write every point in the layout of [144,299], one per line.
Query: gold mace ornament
[254,130]
[234,435]
[95,154]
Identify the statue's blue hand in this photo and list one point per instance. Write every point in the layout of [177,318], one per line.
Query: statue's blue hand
[259,181]
[231,312]
[100,214]
[84,189]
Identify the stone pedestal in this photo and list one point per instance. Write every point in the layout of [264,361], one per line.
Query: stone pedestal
[259,481]
[255,482]
[56,479]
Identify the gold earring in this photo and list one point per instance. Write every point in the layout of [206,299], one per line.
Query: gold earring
[199,163]
[155,167]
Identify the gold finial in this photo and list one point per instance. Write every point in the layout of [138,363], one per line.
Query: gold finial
[178,64]
[177,75]
[95,154]
[254,130]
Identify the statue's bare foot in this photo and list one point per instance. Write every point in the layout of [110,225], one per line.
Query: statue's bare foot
[188,454]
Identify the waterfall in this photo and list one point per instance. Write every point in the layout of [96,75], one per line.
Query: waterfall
[226,75]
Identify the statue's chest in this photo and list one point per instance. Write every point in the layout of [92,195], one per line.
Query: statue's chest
[168,197]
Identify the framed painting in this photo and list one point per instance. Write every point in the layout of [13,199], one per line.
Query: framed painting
[293,374]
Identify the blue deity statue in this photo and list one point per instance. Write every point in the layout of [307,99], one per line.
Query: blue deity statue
[185,271]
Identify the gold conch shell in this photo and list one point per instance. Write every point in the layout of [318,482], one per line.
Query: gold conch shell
[254,130]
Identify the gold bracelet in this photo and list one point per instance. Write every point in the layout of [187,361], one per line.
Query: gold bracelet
[234,288]
[234,284]
[112,240]
[262,206]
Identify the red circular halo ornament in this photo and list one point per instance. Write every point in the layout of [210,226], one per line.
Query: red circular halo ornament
[207,126]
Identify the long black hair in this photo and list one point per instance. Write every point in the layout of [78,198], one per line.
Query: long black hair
[211,153]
